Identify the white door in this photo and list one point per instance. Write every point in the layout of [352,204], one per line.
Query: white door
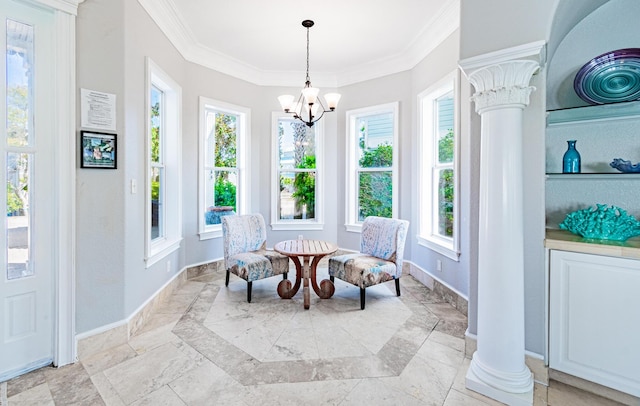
[26,167]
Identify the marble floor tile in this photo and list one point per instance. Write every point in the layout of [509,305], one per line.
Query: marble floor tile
[205,345]
[139,376]
[39,395]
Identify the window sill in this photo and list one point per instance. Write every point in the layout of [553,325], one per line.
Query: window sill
[438,247]
[297,225]
[162,250]
[354,228]
[212,233]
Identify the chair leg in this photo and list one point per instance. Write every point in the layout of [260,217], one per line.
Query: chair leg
[284,275]
[249,284]
[361,298]
[397,287]
[226,281]
[332,278]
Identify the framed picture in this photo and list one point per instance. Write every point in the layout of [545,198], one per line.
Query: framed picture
[98,150]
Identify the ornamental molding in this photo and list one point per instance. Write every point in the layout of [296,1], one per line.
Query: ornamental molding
[502,85]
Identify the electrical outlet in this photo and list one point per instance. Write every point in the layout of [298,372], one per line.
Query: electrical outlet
[438,265]
[168,266]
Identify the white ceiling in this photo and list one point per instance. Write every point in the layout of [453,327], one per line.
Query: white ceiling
[264,42]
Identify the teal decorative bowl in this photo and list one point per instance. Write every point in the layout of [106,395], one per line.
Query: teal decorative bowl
[602,223]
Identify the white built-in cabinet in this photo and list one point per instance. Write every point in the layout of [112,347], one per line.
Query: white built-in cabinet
[594,318]
[593,287]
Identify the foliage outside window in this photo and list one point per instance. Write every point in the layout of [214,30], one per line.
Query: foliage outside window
[157,163]
[223,128]
[438,185]
[296,186]
[372,163]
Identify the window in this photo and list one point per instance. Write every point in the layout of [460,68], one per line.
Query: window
[438,194]
[163,187]
[296,180]
[372,159]
[224,129]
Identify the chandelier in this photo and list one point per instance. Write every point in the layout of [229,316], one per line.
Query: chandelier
[309,107]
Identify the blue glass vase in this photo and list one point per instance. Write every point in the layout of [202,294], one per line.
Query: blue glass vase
[571,159]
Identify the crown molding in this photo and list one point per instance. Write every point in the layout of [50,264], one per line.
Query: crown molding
[166,16]
[67,6]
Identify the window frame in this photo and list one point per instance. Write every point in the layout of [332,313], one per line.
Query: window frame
[296,224]
[243,133]
[352,223]
[159,248]
[427,234]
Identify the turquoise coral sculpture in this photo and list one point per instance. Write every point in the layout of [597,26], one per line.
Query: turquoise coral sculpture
[603,223]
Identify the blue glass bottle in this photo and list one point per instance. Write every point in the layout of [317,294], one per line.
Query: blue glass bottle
[571,159]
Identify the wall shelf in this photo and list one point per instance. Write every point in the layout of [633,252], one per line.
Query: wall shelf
[593,176]
[604,112]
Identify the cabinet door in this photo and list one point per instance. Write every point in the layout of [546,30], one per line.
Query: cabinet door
[594,320]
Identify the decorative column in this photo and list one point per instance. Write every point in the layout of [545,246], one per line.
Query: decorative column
[498,368]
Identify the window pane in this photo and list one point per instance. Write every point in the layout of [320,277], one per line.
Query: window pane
[444,109]
[297,145]
[225,140]
[445,202]
[220,196]
[297,195]
[375,140]
[19,82]
[18,216]
[157,202]
[156,124]
[375,194]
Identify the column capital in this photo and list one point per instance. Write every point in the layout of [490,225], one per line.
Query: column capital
[504,84]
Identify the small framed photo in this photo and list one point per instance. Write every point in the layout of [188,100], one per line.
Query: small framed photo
[98,150]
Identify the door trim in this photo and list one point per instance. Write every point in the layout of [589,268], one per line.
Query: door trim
[64,341]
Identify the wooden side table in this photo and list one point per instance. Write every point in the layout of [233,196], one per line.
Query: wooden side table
[310,251]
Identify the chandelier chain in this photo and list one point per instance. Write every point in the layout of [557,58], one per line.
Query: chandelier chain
[308,78]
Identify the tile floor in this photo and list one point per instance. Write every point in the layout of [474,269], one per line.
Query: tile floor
[207,346]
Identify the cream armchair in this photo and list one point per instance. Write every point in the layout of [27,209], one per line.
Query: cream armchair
[380,257]
[245,253]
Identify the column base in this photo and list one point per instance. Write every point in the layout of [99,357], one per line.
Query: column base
[522,395]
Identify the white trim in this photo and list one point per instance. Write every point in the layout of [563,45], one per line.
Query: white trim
[297,224]
[425,156]
[64,348]
[66,6]
[156,250]
[351,163]
[435,278]
[441,25]
[243,135]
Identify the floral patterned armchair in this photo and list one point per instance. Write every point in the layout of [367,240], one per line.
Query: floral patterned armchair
[245,253]
[380,257]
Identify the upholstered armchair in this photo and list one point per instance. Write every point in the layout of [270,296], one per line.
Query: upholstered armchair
[245,253]
[380,257]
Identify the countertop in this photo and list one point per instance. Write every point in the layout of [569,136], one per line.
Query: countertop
[566,241]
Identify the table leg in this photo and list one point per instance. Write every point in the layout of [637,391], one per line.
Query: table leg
[326,289]
[305,289]
[285,290]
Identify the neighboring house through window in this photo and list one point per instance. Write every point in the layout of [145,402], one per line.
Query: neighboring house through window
[372,159]
[297,175]
[224,129]
[164,112]
[438,151]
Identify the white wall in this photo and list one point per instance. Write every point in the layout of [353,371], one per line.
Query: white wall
[100,204]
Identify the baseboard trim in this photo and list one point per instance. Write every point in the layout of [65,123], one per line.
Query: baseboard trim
[445,291]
